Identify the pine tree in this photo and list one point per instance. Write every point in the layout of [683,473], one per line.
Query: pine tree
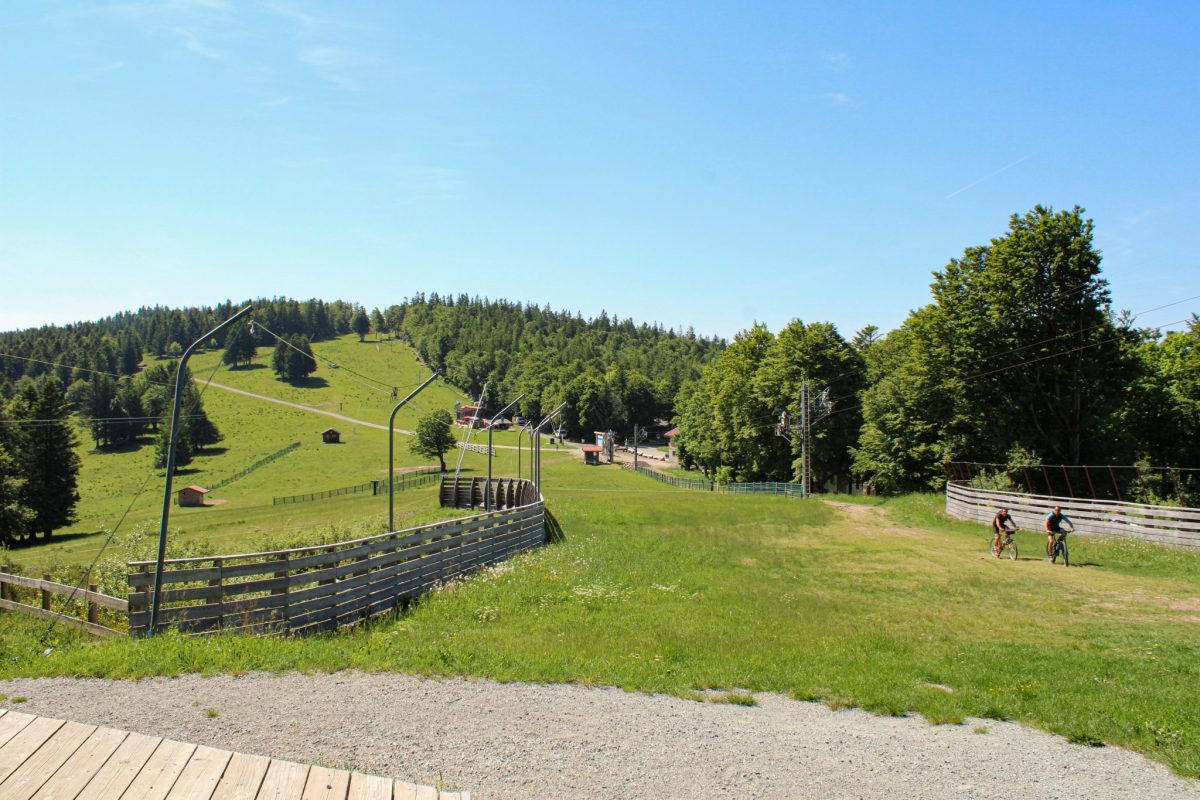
[15,517]
[49,461]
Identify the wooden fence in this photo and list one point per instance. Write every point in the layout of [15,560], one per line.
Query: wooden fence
[325,586]
[1163,524]
[14,588]
[481,449]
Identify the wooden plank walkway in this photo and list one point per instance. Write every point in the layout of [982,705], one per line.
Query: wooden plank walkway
[54,759]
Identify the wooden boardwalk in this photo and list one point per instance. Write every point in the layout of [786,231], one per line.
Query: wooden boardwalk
[53,759]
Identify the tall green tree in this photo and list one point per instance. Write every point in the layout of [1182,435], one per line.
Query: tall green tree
[435,436]
[1018,352]
[361,324]
[239,346]
[293,359]
[15,516]
[49,461]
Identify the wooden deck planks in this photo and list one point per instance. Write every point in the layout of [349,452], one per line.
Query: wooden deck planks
[24,781]
[122,767]
[83,766]
[284,781]
[369,787]
[200,777]
[243,778]
[326,784]
[160,771]
[53,759]
[26,743]
[12,723]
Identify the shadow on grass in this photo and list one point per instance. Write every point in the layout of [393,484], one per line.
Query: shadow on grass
[311,382]
[58,538]
[126,447]
[247,367]
[554,529]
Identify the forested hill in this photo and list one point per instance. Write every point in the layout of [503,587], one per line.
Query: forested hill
[613,373]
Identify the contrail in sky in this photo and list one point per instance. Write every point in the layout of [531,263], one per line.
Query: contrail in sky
[992,175]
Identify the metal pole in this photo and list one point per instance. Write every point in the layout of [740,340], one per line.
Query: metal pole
[392,448]
[536,471]
[174,436]
[804,439]
[487,498]
[635,445]
[519,434]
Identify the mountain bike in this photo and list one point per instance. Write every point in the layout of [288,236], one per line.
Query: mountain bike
[1006,543]
[1059,548]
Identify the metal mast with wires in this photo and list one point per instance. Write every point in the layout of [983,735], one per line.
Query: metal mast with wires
[171,449]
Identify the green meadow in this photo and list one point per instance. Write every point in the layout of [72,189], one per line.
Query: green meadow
[884,605]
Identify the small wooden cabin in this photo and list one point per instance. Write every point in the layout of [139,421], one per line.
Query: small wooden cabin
[331,436]
[591,454]
[192,496]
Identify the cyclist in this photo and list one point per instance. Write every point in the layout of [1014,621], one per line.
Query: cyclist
[1054,521]
[1000,524]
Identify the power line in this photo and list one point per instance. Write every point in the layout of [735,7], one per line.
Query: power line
[76,368]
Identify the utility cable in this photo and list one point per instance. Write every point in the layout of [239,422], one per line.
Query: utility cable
[334,365]
[87,574]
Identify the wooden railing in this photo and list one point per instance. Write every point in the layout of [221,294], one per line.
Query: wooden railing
[1163,524]
[326,586]
[90,601]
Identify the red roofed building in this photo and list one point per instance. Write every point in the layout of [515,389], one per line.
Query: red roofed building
[192,496]
[591,454]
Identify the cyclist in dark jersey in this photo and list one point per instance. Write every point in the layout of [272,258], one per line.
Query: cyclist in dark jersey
[999,525]
[1054,521]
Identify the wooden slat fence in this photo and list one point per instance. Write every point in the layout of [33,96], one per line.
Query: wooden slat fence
[16,588]
[482,449]
[1162,524]
[325,586]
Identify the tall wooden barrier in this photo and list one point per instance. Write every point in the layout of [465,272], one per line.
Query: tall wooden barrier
[1163,524]
[326,586]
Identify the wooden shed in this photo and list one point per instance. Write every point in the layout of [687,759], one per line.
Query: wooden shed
[192,496]
[331,436]
[591,454]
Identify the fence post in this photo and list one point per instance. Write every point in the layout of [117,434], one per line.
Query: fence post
[93,609]
[283,573]
[46,592]
[3,584]
[218,564]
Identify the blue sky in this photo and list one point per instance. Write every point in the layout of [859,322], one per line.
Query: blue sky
[704,164]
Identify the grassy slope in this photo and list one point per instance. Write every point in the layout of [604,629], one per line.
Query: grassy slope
[891,607]
[254,429]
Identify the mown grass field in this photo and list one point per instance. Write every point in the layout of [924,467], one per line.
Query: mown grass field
[243,512]
[887,606]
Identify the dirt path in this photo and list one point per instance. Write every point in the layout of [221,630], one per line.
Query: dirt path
[517,740]
[343,417]
[303,407]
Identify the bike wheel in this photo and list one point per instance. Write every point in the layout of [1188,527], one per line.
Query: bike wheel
[1066,561]
[995,550]
[1012,551]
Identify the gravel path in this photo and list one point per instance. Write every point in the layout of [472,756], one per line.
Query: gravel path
[525,741]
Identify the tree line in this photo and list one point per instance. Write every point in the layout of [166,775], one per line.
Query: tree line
[1020,359]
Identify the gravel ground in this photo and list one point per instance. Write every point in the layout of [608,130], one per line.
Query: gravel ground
[524,741]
